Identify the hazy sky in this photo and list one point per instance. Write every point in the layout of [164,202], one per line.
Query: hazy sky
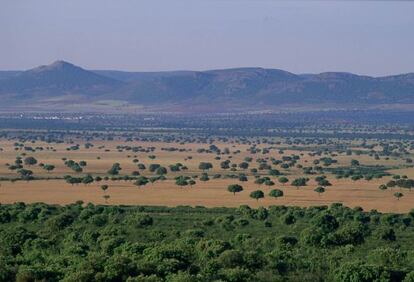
[369,37]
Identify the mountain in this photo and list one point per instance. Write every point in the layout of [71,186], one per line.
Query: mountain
[131,76]
[228,89]
[241,86]
[8,74]
[257,86]
[57,79]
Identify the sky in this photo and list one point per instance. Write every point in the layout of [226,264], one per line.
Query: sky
[363,37]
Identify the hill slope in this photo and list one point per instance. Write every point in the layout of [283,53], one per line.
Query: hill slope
[57,79]
[253,88]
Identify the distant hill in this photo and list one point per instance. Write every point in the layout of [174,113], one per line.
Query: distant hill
[57,79]
[8,74]
[250,88]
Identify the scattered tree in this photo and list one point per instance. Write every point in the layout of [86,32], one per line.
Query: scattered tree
[235,188]
[258,194]
[319,190]
[276,193]
[398,195]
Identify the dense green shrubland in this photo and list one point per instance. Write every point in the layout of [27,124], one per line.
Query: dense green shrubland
[41,242]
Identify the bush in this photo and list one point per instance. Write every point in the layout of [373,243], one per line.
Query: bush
[350,272]
[386,233]
[289,219]
[140,220]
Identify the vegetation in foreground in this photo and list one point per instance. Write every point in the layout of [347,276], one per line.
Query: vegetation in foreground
[40,242]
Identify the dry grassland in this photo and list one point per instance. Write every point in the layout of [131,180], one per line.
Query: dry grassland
[212,193]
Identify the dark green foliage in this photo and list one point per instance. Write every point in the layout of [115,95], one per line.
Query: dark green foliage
[362,273]
[25,174]
[276,193]
[87,179]
[141,181]
[319,190]
[386,233]
[359,172]
[283,180]
[181,180]
[300,182]
[235,188]
[114,170]
[39,242]
[30,161]
[258,194]
[139,220]
[205,166]
[204,177]
[398,195]
[48,167]
[289,218]
[161,170]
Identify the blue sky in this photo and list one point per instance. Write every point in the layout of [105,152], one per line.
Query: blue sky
[365,37]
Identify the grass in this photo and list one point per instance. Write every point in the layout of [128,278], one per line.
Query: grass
[211,194]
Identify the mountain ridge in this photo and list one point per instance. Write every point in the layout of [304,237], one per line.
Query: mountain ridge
[251,87]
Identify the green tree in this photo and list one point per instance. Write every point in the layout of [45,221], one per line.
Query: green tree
[104,187]
[259,181]
[235,188]
[257,194]
[383,187]
[243,178]
[398,195]
[274,172]
[153,167]
[244,165]
[25,173]
[73,180]
[359,272]
[161,170]
[141,181]
[300,182]
[354,163]
[204,177]
[87,179]
[76,168]
[225,164]
[276,193]
[283,180]
[30,161]
[48,167]
[181,181]
[141,166]
[319,190]
[205,166]
[114,170]
[386,233]
[409,277]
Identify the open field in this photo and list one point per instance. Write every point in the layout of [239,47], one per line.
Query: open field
[212,193]
[364,194]
[199,203]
